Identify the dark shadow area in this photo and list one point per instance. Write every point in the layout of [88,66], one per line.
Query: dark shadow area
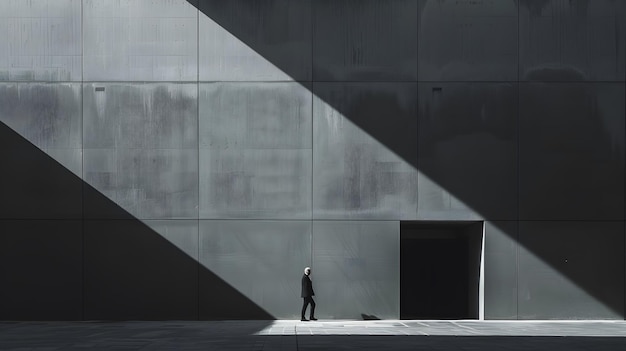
[439,270]
[432,283]
[509,151]
[135,335]
[359,342]
[369,317]
[41,269]
[55,265]
[269,25]
[34,186]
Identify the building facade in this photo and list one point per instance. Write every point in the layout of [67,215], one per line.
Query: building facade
[429,159]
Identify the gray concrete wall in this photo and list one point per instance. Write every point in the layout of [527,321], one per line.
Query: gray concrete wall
[186,159]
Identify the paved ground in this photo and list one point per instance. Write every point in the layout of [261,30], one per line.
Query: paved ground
[320,335]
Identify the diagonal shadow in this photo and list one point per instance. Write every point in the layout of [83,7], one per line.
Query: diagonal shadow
[468,139]
[57,265]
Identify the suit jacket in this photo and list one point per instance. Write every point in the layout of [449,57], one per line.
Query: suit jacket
[307,287]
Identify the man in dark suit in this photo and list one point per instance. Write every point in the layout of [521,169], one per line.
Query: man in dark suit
[307,294]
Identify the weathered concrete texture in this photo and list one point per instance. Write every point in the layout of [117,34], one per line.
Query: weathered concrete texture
[255,151]
[41,270]
[370,40]
[467,151]
[140,116]
[35,119]
[571,270]
[571,151]
[361,175]
[356,269]
[255,41]
[41,40]
[141,148]
[140,40]
[467,40]
[263,260]
[149,184]
[584,37]
[47,115]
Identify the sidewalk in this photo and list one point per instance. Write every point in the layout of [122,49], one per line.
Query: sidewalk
[320,335]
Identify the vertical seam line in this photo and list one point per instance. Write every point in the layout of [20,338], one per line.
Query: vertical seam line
[518,132]
[82,151]
[198,264]
[312,35]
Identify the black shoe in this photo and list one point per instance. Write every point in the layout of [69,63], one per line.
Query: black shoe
[304,320]
[313,318]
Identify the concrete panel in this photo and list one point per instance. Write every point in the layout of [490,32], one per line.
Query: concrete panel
[255,150]
[148,183]
[572,40]
[372,40]
[262,260]
[33,184]
[41,270]
[183,234]
[144,40]
[501,270]
[365,150]
[468,40]
[141,149]
[356,269]
[245,40]
[72,159]
[133,272]
[572,151]
[47,115]
[571,270]
[41,40]
[467,151]
[158,115]
[255,184]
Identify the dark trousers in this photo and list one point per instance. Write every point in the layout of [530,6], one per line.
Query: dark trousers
[308,300]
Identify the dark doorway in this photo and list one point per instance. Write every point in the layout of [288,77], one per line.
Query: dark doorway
[440,270]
